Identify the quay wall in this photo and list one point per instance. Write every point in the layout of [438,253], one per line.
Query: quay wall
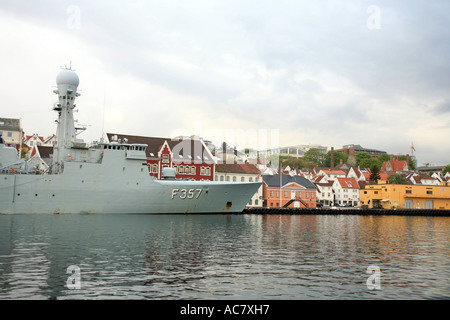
[348,211]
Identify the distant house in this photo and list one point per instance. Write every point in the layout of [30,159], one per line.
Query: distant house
[30,141]
[190,158]
[33,140]
[241,172]
[332,174]
[41,158]
[12,132]
[288,191]
[358,173]
[395,166]
[422,178]
[346,191]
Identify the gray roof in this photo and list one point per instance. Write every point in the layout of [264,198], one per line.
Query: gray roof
[10,124]
[273,181]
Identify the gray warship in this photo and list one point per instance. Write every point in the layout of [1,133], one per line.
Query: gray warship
[105,177]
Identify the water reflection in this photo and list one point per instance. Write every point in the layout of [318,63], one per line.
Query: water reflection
[220,256]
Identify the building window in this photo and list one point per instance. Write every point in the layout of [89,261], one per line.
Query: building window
[242,179]
[193,170]
[165,158]
[202,171]
[408,191]
[271,193]
[234,178]
[429,192]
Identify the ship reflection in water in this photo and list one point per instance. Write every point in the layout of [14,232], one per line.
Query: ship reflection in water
[223,257]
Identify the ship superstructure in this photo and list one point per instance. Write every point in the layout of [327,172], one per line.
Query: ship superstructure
[105,177]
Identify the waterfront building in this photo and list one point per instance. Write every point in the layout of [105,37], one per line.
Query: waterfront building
[405,196]
[190,157]
[346,192]
[241,172]
[325,193]
[288,191]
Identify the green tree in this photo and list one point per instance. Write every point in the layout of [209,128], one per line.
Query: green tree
[360,157]
[337,158]
[446,169]
[384,157]
[374,172]
[397,178]
[412,166]
[370,163]
[296,163]
[316,156]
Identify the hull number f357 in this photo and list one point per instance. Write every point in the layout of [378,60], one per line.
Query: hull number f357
[186,193]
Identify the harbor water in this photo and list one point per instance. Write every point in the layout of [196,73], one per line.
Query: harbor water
[232,257]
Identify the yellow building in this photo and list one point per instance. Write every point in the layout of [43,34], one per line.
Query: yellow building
[399,196]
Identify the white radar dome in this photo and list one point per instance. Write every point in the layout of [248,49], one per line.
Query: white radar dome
[67,77]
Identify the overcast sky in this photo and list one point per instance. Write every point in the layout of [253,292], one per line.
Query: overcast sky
[329,72]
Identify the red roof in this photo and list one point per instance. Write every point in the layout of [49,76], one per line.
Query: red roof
[349,183]
[394,164]
[237,168]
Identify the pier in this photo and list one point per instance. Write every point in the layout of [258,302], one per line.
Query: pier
[348,211]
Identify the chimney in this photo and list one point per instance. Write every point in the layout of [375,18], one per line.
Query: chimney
[407,161]
[332,157]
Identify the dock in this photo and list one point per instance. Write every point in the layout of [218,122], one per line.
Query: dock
[348,211]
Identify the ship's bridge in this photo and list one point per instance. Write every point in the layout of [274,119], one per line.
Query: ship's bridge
[132,151]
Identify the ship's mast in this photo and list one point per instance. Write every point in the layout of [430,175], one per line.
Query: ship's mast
[67,81]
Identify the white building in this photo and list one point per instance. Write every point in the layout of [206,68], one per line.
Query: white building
[346,191]
[325,193]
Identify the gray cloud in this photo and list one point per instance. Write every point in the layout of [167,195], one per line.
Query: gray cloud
[310,67]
